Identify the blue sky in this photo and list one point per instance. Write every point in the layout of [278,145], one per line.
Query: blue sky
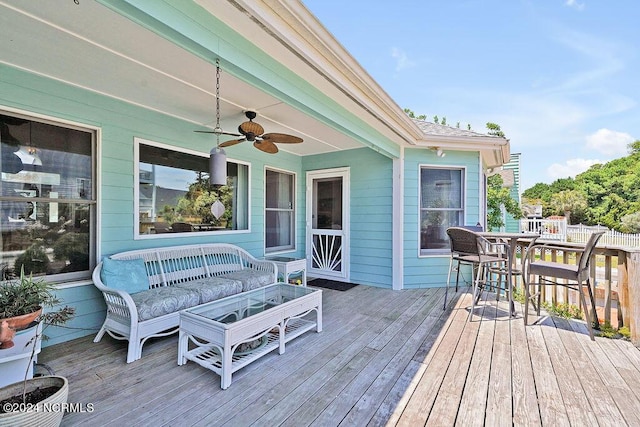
[561,77]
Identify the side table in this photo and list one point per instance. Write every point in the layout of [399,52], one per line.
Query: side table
[288,266]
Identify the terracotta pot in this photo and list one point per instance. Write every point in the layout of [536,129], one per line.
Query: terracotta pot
[51,409]
[10,325]
[6,335]
[21,322]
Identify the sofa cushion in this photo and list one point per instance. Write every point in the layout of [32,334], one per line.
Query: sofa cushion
[212,288]
[250,278]
[127,275]
[163,300]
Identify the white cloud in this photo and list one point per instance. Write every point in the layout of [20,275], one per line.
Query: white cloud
[574,4]
[570,168]
[609,142]
[402,60]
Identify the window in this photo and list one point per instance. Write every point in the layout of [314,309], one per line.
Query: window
[47,199]
[174,194]
[279,211]
[441,206]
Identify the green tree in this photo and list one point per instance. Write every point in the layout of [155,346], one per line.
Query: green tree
[630,223]
[494,129]
[411,114]
[611,191]
[498,197]
[568,203]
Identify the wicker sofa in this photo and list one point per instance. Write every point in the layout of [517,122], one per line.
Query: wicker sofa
[146,289]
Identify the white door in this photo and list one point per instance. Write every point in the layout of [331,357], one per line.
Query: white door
[328,223]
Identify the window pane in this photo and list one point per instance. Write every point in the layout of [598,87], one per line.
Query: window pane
[279,211]
[328,208]
[43,163]
[441,188]
[433,231]
[279,190]
[54,239]
[441,204]
[175,195]
[39,158]
[279,229]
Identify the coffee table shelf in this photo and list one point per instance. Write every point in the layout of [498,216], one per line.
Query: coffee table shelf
[209,356]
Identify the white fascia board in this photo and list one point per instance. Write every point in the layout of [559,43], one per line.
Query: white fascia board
[494,151]
[316,49]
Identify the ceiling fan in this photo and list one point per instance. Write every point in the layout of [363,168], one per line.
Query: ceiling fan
[254,132]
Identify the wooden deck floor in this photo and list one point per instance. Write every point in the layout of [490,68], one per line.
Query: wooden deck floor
[384,358]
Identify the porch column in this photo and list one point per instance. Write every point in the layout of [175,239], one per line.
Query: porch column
[397,220]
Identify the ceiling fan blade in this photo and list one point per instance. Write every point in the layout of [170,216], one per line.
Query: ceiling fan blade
[232,142]
[251,127]
[281,138]
[266,146]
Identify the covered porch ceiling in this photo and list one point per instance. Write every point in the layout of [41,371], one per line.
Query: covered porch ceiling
[276,58]
[99,49]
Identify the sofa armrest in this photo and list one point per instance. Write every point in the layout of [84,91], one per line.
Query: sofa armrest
[263,265]
[120,305]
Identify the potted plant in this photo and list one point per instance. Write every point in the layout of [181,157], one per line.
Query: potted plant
[24,300]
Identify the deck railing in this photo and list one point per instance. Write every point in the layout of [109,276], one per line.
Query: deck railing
[558,230]
[611,237]
[615,280]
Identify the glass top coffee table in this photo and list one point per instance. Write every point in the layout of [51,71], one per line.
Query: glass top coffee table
[227,334]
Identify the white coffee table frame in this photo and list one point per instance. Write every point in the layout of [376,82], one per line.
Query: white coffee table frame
[214,342]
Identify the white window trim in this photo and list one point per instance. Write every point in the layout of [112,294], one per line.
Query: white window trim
[294,248]
[136,193]
[463,168]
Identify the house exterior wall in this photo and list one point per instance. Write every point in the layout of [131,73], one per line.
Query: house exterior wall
[119,124]
[431,270]
[371,206]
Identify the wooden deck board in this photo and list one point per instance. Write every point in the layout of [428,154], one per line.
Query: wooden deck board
[384,358]
[549,398]
[574,396]
[525,406]
[419,406]
[473,403]
[600,393]
[499,402]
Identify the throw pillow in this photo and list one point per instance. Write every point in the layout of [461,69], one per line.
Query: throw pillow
[127,275]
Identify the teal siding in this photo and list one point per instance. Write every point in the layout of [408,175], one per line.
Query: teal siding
[371,207]
[90,313]
[120,123]
[431,271]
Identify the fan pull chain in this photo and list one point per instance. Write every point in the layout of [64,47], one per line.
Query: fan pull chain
[218,129]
